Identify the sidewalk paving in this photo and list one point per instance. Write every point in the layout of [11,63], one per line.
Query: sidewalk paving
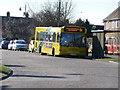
[113,56]
[108,58]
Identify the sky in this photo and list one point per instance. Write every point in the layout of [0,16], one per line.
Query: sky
[93,10]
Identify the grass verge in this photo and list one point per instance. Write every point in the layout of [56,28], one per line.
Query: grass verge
[4,70]
[110,59]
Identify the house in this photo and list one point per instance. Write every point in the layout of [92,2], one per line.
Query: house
[5,21]
[112,28]
[112,23]
[15,27]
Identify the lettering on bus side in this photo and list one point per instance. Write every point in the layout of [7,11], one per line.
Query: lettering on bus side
[47,45]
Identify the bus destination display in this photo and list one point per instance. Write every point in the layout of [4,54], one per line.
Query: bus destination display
[75,30]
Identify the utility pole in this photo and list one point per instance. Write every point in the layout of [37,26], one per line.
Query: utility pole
[25,13]
[25,8]
[59,7]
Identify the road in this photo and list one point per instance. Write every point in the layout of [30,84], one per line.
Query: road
[32,70]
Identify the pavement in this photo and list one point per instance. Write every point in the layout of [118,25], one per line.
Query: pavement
[113,56]
[107,57]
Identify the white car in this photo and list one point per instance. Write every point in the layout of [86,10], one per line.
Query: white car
[31,46]
[19,45]
[10,45]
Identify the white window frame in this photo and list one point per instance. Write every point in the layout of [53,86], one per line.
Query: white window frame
[113,24]
[116,24]
[107,25]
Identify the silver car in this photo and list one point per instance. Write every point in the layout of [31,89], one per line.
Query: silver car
[19,45]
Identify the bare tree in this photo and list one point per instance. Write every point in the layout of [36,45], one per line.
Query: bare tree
[53,14]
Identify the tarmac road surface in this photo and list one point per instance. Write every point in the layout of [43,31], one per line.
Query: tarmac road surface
[32,70]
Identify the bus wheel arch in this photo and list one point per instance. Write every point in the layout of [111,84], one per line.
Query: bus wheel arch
[40,51]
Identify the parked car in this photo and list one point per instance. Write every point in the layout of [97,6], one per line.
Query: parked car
[4,44]
[19,45]
[31,46]
[10,45]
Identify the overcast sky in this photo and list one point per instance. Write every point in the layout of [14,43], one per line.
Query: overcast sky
[93,10]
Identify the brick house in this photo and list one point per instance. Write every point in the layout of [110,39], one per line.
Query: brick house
[16,27]
[112,24]
[112,21]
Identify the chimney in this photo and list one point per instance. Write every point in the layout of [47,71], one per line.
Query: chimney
[8,14]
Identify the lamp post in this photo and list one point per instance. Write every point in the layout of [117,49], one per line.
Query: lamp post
[24,13]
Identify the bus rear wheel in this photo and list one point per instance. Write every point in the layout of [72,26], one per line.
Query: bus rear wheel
[53,52]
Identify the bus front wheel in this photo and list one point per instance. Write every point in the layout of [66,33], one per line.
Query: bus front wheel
[40,50]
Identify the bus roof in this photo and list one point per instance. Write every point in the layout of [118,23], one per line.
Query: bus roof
[59,29]
[49,29]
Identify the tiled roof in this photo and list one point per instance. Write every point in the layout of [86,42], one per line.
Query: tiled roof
[114,15]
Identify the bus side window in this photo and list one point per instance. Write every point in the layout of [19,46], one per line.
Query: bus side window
[41,36]
[38,36]
[46,36]
[54,37]
[50,37]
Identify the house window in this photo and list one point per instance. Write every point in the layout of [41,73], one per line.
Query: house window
[107,25]
[119,24]
[116,24]
[113,24]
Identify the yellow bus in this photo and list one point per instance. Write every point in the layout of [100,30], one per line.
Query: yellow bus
[66,40]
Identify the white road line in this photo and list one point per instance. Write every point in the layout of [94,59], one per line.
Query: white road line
[113,62]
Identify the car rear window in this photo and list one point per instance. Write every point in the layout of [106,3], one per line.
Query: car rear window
[21,42]
[6,42]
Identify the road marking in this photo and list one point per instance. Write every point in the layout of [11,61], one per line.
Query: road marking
[113,62]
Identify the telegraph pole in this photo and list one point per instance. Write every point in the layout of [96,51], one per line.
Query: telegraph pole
[59,7]
[25,13]
[25,8]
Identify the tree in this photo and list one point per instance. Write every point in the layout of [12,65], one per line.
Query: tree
[86,24]
[53,14]
[79,22]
